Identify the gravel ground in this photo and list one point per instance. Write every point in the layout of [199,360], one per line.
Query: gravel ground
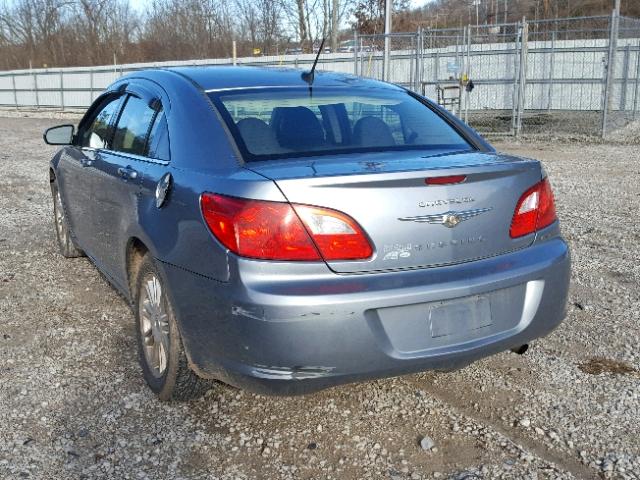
[73,403]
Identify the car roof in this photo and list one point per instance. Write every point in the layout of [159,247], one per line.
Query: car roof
[227,77]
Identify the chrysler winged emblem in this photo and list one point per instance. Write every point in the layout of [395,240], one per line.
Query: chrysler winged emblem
[451,220]
[448,219]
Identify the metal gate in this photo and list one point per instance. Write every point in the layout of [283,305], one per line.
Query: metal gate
[566,78]
[485,64]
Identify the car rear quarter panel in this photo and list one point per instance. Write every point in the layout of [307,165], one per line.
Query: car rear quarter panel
[177,233]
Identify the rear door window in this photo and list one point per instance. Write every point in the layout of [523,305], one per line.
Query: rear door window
[134,125]
[158,142]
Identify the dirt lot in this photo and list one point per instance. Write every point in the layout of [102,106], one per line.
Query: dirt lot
[73,404]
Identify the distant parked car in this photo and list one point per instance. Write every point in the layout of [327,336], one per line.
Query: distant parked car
[285,235]
[349,46]
[346,46]
[362,49]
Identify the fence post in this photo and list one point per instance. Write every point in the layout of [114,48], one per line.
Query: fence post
[416,79]
[35,87]
[234,53]
[635,92]
[551,72]
[514,92]
[467,69]
[412,67]
[386,60]
[15,91]
[90,86]
[420,58]
[610,67]
[355,53]
[625,79]
[522,74]
[62,89]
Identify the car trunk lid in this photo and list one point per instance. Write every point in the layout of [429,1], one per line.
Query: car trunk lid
[411,224]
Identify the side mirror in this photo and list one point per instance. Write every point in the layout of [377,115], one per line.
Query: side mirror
[60,135]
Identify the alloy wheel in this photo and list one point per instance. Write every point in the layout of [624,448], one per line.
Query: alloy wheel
[154,325]
[59,218]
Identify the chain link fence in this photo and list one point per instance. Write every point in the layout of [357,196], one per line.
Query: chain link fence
[540,77]
[566,75]
[624,82]
[560,76]
[404,62]
[493,63]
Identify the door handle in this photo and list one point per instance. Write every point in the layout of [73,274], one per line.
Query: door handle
[127,172]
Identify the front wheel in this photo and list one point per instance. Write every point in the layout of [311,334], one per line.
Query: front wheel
[162,357]
[63,234]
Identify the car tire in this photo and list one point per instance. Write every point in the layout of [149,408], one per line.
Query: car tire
[161,353]
[65,241]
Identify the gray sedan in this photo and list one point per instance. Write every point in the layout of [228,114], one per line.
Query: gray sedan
[284,234]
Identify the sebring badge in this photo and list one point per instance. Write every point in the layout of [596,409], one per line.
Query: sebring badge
[162,189]
[447,201]
[448,219]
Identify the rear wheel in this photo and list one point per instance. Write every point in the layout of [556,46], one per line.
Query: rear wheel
[162,357]
[63,234]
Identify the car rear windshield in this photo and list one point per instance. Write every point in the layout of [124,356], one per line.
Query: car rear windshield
[276,123]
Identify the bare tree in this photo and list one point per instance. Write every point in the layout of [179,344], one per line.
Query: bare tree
[106,28]
[260,24]
[249,21]
[36,26]
[316,19]
[199,29]
[335,24]
[270,20]
[302,22]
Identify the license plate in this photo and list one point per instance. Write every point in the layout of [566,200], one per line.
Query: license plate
[459,316]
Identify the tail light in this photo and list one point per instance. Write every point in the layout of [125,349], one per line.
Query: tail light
[337,236]
[534,211]
[281,231]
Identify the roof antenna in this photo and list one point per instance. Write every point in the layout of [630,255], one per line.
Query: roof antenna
[309,76]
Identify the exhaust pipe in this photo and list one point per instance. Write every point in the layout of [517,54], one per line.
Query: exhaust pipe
[521,349]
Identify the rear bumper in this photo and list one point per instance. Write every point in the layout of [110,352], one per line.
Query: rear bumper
[283,329]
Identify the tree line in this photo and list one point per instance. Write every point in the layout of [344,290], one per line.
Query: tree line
[455,13]
[59,33]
